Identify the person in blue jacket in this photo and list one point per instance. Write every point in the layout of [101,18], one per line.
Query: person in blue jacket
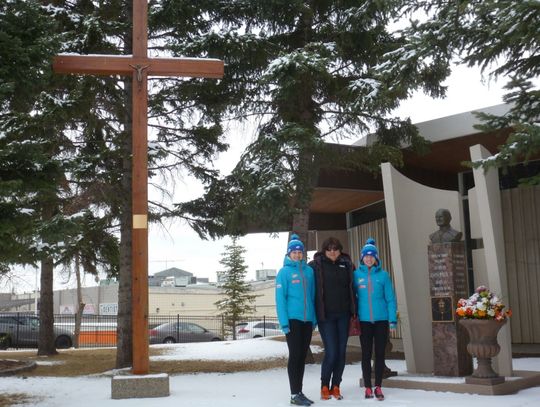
[295,303]
[377,312]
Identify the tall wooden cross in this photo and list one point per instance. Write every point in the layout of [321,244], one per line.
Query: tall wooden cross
[139,66]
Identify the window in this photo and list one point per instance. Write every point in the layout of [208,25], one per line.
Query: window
[196,328]
[7,320]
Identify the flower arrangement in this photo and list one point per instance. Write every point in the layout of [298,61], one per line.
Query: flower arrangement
[483,304]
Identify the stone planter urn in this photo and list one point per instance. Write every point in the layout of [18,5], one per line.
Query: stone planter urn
[483,346]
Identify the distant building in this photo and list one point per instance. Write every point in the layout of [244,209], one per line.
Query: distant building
[172,277]
[192,300]
[182,281]
[265,274]
[221,276]
[108,281]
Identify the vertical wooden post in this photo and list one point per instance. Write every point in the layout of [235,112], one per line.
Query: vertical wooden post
[140,193]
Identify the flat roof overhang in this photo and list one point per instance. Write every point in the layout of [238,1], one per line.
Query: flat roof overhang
[339,192]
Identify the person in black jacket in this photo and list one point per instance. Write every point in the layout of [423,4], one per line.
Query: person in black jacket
[334,304]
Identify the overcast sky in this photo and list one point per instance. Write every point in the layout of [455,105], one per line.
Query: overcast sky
[176,245]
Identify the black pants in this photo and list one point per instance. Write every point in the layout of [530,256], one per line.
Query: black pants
[298,340]
[373,333]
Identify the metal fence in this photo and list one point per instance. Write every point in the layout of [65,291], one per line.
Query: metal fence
[21,330]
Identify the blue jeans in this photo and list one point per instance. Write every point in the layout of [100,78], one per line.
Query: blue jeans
[334,334]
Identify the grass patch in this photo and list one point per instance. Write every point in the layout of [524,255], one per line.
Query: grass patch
[82,362]
[12,399]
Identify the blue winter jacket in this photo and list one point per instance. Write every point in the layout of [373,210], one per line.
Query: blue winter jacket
[375,294]
[295,293]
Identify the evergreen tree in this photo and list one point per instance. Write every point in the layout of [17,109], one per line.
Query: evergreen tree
[46,218]
[85,125]
[502,37]
[237,302]
[31,164]
[305,70]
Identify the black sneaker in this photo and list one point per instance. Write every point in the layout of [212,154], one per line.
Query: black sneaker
[301,394]
[298,400]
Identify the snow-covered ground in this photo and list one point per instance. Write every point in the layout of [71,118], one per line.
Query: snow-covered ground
[266,388]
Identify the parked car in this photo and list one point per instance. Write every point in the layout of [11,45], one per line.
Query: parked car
[22,330]
[181,332]
[257,329]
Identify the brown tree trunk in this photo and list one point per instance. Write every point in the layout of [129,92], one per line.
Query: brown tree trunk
[80,306]
[46,310]
[46,303]
[124,344]
[300,224]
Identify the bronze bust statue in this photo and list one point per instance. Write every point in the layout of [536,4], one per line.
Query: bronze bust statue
[445,233]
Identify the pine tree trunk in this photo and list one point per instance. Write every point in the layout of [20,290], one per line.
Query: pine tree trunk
[124,329]
[124,344]
[46,303]
[80,307]
[46,310]
[300,224]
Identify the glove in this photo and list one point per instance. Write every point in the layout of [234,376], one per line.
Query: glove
[285,330]
[393,325]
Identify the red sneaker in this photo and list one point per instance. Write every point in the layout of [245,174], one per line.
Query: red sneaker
[325,393]
[379,394]
[336,393]
[369,393]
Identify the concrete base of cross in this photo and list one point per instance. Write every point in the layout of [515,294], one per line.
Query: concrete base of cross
[140,386]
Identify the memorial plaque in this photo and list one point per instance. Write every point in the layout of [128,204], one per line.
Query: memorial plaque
[448,283]
[447,271]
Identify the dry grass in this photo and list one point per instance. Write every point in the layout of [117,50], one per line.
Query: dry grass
[12,399]
[80,362]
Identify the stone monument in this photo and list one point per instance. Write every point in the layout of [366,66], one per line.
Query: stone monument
[448,283]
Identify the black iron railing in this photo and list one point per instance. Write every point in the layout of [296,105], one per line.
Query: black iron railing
[21,330]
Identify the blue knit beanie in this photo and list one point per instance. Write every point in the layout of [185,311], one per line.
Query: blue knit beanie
[371,250]
[295,244]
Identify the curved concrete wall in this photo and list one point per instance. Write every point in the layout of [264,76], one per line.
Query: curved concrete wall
[410,211]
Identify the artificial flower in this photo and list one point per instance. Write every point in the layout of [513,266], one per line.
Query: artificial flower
[483,304]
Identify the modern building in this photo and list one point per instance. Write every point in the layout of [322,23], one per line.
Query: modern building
[499,220]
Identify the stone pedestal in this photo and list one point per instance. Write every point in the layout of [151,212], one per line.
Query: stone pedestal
[448,283]
[140,386]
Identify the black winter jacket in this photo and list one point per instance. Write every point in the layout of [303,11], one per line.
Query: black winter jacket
[317,265]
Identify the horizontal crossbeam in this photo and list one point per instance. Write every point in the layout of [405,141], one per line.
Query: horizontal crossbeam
[126,64]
